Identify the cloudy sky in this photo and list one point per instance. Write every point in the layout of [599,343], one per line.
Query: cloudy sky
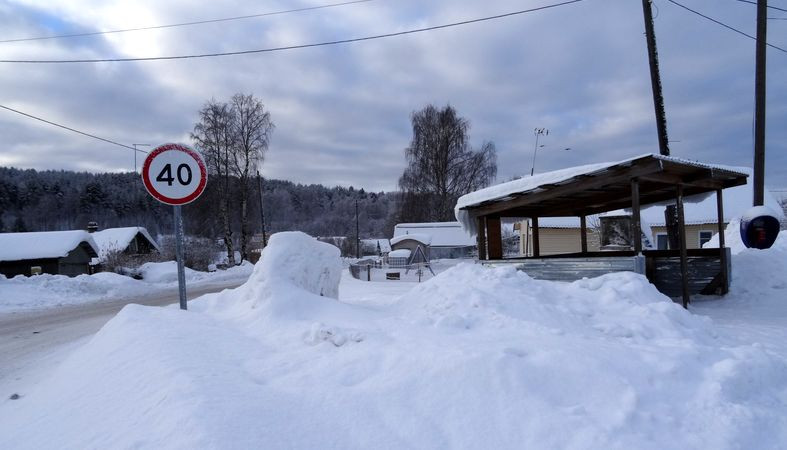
[342,113]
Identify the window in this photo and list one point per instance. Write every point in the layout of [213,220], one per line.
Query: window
[662,243]
[705,237]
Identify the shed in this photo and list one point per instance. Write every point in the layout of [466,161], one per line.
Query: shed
[597,188]
[446,239]
[412,242]
[128,240]
[54,252]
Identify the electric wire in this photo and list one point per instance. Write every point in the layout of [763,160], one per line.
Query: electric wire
[291,47]
[724,24]
[769,6]
[184,24]
[71,129]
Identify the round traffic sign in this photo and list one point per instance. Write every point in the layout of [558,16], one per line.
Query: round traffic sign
[174,174]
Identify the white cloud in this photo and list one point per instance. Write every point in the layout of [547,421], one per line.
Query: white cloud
[342,112]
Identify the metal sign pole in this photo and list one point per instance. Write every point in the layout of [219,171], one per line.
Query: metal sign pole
[179,256]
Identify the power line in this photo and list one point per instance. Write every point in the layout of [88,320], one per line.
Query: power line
[71,129]
[769,6]
[724,24]
[293,47]
[184,24]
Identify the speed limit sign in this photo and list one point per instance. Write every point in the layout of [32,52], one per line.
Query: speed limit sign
[174,174]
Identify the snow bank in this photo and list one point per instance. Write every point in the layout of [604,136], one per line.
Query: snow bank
[22,293]
[474,358]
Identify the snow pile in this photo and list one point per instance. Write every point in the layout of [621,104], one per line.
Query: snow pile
[732,239]
[167,272]
[474,358]
[22,293]
[759,277]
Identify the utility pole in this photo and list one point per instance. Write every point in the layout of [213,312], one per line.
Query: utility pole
[357,235]
[655,79]
[135,154]
[759,104]
[262,212]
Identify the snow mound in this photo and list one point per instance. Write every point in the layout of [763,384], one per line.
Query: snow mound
[294,271]
[165,272]
[617,305]
[732,239]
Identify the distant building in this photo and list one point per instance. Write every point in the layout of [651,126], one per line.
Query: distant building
[377,247]
[439,239]
[126,240]
[53,252]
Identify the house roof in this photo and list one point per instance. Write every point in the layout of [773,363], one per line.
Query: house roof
[425,239]
[595,188]
[117,239]
[44,244]
[443,234]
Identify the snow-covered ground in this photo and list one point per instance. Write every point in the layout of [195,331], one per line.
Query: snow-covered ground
[22,293]
[473,358]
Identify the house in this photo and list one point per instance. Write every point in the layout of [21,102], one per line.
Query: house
[53,252]
[445,239]
[585,191]
[560,235]
[127,240]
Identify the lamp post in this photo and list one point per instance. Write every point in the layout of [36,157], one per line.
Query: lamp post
[538,132]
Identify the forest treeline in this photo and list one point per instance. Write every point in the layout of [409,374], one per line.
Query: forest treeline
[32,200]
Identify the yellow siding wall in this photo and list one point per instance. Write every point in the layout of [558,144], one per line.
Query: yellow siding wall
[566,240]
[553,241]
[692,233]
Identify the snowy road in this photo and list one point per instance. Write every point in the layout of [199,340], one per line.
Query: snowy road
[32,343]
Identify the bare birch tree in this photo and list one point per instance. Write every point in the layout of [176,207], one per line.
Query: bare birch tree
[251,131]
[441,166]
[213,138]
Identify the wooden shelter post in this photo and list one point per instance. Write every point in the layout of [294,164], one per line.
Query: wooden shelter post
[722,250]
[481,237]
[536,243]
[583,233]
[636,225]
[684,263]
[494,238]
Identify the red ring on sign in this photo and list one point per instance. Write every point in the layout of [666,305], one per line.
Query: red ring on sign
[163,198]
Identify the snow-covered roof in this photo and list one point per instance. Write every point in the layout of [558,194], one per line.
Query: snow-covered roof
[42,244]
[443,234]
[401,253]
[117,239]
[539,182]
[425,239]
[385,245]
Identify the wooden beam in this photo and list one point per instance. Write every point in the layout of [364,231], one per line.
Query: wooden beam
[722,251]
[684,263]
[536,243]
[481,237]
[583,234]
[636,228]
[494,238]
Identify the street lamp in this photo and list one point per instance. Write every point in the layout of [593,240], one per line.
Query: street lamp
[538,132]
